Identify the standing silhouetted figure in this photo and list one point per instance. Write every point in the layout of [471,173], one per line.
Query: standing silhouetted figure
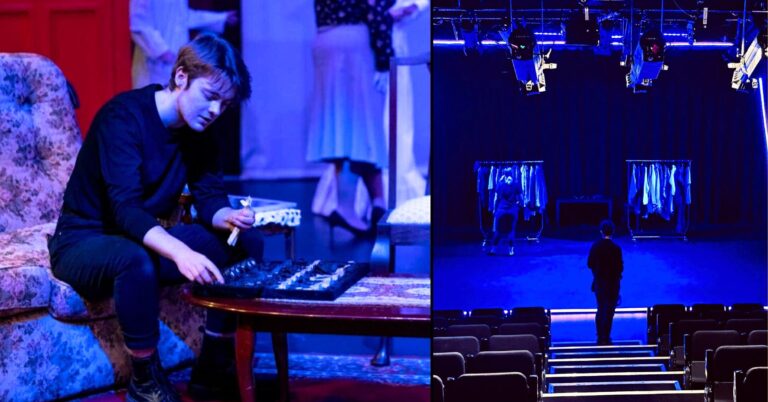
[606,263]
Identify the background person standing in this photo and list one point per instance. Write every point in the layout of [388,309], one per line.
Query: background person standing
[605,261]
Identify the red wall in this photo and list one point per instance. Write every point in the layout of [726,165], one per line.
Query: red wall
[88,39]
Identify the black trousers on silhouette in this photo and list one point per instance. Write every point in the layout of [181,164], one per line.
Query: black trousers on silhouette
[607,296]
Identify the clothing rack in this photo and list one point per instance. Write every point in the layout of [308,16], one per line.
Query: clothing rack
[505,163]
[658,161]
[683,213]
[482,202]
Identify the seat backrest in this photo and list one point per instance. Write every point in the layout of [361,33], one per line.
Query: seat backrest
[654,311]
[700,308]
[437,389]
[449,314]
[488,312]
[496,387]
[39,140]
[755,386]
[514,342]
[448,365]
[522,328]
[758,337]
[703,340]
[479,331]
[728,359]
[746,307]
[529,314]
[745,326]
[663,319]
[519,361]
[466,345]
[678,329]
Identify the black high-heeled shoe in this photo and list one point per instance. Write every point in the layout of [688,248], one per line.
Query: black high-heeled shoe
[335,219]
[376,214]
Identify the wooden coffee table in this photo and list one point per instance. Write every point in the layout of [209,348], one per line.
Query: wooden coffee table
[393,305]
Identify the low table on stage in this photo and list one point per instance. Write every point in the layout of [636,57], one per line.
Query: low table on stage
[393,305]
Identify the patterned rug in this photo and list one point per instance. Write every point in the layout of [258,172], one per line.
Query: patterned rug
[326,378]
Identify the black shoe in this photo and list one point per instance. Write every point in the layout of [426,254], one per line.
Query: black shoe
[149,383]
[376,214]
[214,376]
[335,219]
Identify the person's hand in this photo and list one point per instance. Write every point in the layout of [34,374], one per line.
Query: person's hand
[240,218]
[381,81]
[399,13]
[197,268]
[168,57]
[232,18]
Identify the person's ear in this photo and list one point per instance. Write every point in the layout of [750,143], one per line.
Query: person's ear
[181,78]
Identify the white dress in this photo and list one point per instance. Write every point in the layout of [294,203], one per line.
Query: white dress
[158,26]
[410,182]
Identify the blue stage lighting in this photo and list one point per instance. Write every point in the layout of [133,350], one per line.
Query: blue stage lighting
[528,62]
[647,61]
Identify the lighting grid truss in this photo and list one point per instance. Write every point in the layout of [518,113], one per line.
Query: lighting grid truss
[620,25]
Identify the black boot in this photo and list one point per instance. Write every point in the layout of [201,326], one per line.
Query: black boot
[214,375]
[149,383]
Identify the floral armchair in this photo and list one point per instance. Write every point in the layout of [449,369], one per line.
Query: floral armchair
[54,344]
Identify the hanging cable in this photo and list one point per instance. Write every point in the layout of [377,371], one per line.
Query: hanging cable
[743,27]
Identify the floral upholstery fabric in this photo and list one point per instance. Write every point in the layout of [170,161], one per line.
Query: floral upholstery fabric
[42,358]
[24,283]
[74,346]
[39,139]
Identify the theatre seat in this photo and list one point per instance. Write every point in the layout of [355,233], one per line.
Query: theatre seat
[695,347]
[752,386]
[466,345]
[677,331]
[757,337]
[480,331]
[721,365]
[448,365]
[437,389]
[491,387]
[745,326]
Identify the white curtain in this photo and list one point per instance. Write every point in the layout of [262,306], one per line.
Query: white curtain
[277,47]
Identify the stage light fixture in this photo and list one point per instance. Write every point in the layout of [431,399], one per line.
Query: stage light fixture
[743,78]
[647,61]
[528,62]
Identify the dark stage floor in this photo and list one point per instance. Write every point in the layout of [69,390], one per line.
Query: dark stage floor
[553,273]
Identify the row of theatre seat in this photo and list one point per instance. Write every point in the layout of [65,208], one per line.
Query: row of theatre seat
[493,317]
[723,350]
[485,353]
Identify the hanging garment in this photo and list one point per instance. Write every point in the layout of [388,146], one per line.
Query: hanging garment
[632,180]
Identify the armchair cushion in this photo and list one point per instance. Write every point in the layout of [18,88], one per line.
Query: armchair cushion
[39,140]
[24,272]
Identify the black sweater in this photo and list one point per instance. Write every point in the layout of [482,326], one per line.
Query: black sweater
[606,262]
[132,169]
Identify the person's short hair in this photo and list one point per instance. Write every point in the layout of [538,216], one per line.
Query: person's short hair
[209,55]
[607,228]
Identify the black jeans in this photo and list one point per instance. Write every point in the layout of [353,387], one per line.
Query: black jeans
[607,298]
[504,228]
[99,265]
